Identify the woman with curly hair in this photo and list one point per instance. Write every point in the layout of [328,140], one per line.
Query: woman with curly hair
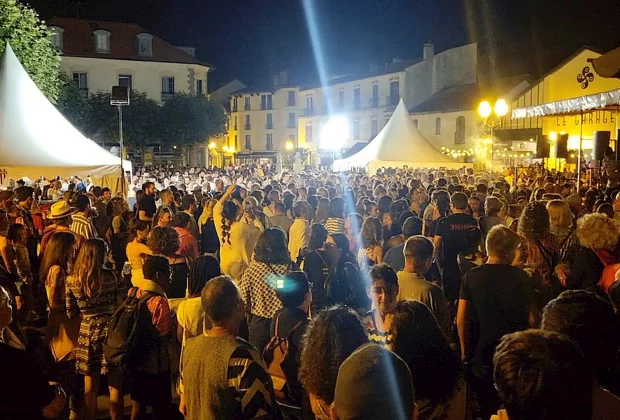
[271,262]
[331,337]
[601,234]
[539,248]
[370,250]
[237,239]
[164,242]
[437,376]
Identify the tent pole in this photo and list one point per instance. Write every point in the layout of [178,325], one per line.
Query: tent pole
[580,153]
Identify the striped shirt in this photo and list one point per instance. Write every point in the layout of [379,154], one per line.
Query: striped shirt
[83,226]
[334,225]
[375,335]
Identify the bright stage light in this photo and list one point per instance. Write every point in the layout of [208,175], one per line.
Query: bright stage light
[335,133]
[485,109]
[501,107]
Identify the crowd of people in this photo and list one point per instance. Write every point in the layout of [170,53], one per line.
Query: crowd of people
[239,294]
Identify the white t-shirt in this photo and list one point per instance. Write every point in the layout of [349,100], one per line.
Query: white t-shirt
[191,317]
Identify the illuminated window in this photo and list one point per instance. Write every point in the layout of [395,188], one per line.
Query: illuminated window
[102,41]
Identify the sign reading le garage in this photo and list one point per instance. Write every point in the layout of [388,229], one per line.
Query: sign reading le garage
[594,117]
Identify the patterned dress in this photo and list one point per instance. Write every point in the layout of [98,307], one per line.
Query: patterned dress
[96,312]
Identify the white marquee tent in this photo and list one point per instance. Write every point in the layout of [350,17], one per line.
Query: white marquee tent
[36,139]
[400,143]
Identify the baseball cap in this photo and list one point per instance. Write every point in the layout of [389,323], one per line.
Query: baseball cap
[374,383]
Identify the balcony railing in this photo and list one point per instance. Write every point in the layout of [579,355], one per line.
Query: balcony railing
[246,107]
[266,107]
[374,102]
[357,105]
[234,109]
[247,126]
[269,126]
[166,96]
[307,112]
[291,124]
[392,100]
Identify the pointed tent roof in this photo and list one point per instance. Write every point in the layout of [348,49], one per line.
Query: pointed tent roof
[399,143]
[36,139]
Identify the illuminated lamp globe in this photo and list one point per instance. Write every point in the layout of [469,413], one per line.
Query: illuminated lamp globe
[212,145]
[485,109]
[335,133]
[501,107]
[289,145]
[225,148]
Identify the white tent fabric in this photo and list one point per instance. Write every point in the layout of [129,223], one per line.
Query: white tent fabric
[36,139]
[400,143]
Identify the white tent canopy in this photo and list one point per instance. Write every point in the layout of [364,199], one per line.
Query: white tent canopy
[400,143]
[36,139]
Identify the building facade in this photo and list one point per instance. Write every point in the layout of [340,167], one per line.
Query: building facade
[263,121]
[368,100]
[98,55]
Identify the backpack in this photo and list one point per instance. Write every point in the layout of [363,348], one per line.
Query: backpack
[130,330]
[279,356]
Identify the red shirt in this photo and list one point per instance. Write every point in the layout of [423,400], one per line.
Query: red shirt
[188,246]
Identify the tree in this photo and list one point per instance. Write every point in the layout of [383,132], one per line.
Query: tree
[31,40]
[140,119]
[72,104]
[191,119]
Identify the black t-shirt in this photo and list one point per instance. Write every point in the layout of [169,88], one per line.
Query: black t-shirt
[453,231]
[147,204]
[24,391]
[501,297]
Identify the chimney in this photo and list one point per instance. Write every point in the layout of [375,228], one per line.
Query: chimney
[276,81]
[429,51]
[284,78]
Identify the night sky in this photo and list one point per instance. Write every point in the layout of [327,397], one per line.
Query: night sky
[253,39]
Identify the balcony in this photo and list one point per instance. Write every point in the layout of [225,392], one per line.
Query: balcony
[307,112]
[234,109]
[166,96]
[357,105]
[266,107]
[247,126]
[291,124]
[269,126]
[392,101]
[246,107]
[235,127]
[374,103]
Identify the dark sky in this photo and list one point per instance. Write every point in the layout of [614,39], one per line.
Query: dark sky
[252,39]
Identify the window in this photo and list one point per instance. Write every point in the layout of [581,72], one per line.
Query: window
[437,126]
[81,81]
[235,122]
[102,41]
[356,98]
[199,87]
[248,142]
[309,133]
[246,104]
[145,45]
[291,120]
[235,104]
[236,142]
[394,93]
[291,98]
[356,129]
[248,125]
[374,127]
[57,37]
[266,102]
[374,101]
[269,124]
[459,136]
[309,105]
[125,80]
[167,88]
[269,145]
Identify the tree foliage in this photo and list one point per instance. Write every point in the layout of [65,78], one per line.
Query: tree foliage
[188,119]
[140,119]
[72,103]
[31,40]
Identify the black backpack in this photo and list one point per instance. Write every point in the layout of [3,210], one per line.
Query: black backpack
[130,330]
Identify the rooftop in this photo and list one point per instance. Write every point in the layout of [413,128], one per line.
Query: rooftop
[78,42]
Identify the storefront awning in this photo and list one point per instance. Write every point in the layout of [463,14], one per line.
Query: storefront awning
[570,106]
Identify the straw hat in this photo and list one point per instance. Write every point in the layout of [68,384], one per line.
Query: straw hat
[60,210]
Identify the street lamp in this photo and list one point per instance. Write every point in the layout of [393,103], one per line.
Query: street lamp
[289,145]
[212,145]
[485,110]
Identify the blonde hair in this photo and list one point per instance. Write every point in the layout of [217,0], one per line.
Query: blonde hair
[597,231]
[560,216]
[88,267]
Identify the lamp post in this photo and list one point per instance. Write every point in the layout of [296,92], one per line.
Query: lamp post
[485,111]
[211,146]
[121,97]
